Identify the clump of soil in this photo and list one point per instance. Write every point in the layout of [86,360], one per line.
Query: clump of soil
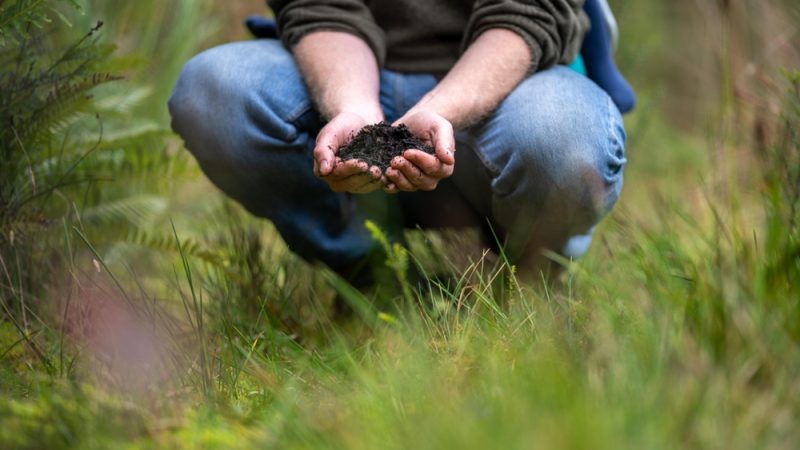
[378,144]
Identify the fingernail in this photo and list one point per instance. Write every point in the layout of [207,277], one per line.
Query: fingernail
[323,166]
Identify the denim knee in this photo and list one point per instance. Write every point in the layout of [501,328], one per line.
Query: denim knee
[555,153]
[201,79]
[582,172]
[235,93]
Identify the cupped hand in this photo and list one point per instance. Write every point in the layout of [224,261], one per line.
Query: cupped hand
[353,176]
[416,170]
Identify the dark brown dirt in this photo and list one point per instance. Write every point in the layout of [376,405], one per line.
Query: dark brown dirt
[378,144]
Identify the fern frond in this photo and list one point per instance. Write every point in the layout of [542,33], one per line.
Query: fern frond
[62,103]
[166,242]
[123,102]
[17,17]
[140,211]
[83,59]
[18,13]
[139,134]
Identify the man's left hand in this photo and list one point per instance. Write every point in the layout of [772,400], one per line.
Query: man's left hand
[416,170]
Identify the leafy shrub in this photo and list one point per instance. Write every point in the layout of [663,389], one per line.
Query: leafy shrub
[46,91]
[72,155]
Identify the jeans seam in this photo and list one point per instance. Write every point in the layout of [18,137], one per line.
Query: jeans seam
[294,116]
[296,113]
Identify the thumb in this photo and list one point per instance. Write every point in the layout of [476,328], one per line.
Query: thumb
[324,152]
[444,142]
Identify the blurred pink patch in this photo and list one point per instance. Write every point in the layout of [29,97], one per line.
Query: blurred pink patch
[118,340]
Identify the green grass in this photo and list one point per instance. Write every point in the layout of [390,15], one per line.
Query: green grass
[176,320]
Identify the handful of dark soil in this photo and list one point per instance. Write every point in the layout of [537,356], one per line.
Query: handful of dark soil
[378,144]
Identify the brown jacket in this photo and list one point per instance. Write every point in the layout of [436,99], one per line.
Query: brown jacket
[429,35]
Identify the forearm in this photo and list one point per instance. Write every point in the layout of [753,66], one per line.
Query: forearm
[496,62]
[342,74]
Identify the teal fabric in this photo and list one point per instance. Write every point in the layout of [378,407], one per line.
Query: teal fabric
[578,66]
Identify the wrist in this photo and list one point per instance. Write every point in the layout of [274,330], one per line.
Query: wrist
[370,113]
[437,104]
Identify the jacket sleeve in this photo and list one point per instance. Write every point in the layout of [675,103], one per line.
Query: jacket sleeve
[553,29]
[296,18]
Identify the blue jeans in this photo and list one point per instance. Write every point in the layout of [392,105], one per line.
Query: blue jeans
[541,170]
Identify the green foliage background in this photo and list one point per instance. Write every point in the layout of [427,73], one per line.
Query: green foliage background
[140,309]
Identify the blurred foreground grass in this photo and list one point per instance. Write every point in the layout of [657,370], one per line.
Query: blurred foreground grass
[176,321]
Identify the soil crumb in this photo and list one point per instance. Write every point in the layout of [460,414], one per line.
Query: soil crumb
[378,144]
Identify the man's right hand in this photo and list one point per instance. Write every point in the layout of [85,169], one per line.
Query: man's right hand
[344,176]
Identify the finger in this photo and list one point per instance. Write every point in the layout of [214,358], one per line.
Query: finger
[413,174]
[332,136]
[324,148]
[391,188]
[374,179]
[399,180]
[323,161]
[378,180]
[359,182]
[381,178]
[444,141]
[430,165]
[345,169]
